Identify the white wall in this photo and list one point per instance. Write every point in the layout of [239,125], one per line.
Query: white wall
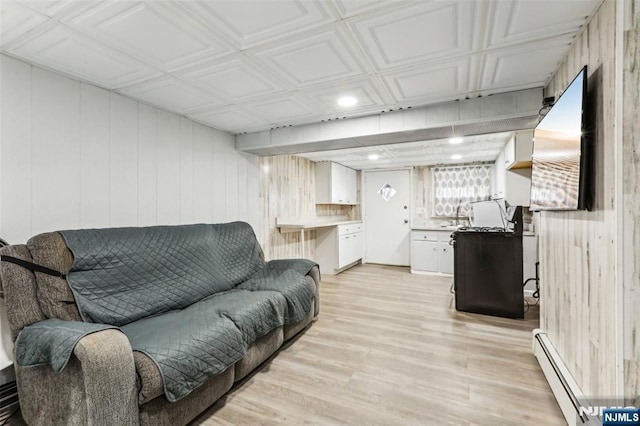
[76,156]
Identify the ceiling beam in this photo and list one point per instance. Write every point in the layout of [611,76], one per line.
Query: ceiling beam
[491,114]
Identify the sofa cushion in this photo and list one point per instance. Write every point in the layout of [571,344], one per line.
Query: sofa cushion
[296,289]
[291,330]
[149,380]
[120,275]
[259,352]
[159,413]
[203,340]
[254,313]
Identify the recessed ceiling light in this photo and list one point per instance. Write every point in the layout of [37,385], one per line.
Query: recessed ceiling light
[456,140]
[373,156]
[456,156]
[347,101]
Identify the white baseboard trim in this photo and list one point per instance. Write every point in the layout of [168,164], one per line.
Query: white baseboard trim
[565,389]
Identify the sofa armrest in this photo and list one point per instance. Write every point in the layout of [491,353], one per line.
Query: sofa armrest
[97,386]
[303,266]
[314,274]
[306,267]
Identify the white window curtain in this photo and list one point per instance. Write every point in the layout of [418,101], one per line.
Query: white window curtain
[455,187]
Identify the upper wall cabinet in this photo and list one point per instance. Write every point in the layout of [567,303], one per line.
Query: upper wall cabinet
[335,184]
[518,151]
[512,170]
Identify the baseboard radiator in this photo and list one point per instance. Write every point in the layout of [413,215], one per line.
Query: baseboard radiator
[9,404]
[570,398]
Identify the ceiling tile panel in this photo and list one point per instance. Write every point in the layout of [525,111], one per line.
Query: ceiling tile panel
[172,94]
[248,23]
[316,59]
[58,9]
[524,66]
[424,32]
[16,20]
[231,119]
[430,84]
[348,8]
[283,110]
[366,93]
[524,20]
[236,79]
[169,39]
[65,50]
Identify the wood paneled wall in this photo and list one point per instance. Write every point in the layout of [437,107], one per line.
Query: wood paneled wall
[76,156]
[422,196]
[631,194]
[578,249]
[287,189]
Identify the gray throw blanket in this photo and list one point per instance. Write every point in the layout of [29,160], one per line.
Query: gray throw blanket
[191,297]
[120,275]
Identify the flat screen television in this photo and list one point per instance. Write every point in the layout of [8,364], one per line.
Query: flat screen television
[560,152]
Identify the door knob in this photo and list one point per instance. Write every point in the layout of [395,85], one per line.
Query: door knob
[406,221]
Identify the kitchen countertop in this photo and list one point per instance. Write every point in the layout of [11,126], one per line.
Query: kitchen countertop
[434,228]
[311,223]
[451,228]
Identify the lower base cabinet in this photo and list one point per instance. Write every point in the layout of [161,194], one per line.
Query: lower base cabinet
[424,256]
[338,247]
[431,252]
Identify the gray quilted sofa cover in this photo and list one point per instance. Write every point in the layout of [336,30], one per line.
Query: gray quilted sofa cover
[193,298]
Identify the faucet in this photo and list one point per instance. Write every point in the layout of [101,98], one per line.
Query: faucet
[458,212]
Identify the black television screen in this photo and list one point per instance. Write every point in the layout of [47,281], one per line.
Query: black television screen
[559,152]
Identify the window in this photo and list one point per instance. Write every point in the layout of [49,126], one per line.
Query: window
[455,187]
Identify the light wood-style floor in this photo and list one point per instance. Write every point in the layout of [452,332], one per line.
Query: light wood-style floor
[390,349]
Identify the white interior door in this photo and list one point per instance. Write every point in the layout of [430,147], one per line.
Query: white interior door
[386,216]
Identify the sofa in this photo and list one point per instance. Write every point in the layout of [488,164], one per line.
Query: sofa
[146,325]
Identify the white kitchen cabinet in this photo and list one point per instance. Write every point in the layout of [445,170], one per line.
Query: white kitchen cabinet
[338,247]
[445,257]
[424,256]
[431,252]
[518,187]
[514,184]
[519,150]
[335,184]
[351,186]
[499,176]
